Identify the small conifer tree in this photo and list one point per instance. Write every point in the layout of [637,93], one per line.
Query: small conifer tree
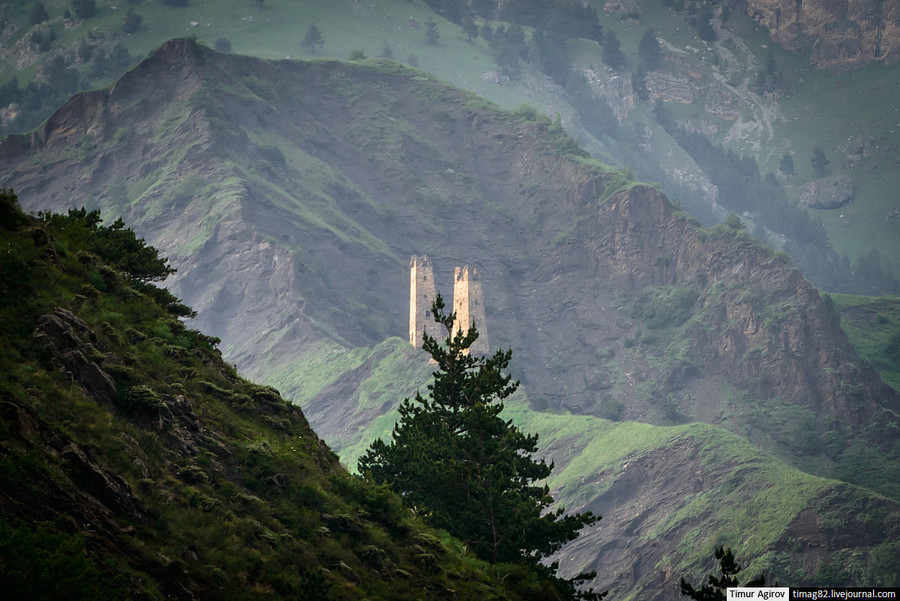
[716,587]
[431,32]
[313,38]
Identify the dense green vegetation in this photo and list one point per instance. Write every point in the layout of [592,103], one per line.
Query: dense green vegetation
[43,563]
[135,463]
[873,325]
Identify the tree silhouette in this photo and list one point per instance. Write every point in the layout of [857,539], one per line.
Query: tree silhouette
[313,38]
[716,587]
[649,51]
[612,51]
[819,162]
[786,166]
[131,22]
[38,13]
[454,460]
[431,32]
[470,28]
[84,9]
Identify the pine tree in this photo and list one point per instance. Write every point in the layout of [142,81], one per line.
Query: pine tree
[715,588]
[786,166]
[612,51]
[454,460]
[649,51]
[84,9]
[39,13]
[431,32]
[313,38]
[470,28]
[819,162]
[132,21]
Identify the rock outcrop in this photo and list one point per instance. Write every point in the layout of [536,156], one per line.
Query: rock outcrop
[71,343]
[93,499]
[830,192]
[773,335]
[841,35]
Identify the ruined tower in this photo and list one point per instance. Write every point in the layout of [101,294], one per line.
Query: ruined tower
[468,303]
[421,295]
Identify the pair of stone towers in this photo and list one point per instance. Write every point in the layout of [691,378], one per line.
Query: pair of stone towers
[468,303]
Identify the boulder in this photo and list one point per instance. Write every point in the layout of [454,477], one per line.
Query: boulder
[830,192]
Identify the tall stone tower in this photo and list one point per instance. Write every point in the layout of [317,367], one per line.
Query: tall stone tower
[468,303]
[421,296]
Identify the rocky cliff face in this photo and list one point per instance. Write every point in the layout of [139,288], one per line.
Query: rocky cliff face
[840,35]
[760,322]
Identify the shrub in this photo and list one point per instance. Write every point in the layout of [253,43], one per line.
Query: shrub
[42,563]
[84,9]
[223,45]
[139,397]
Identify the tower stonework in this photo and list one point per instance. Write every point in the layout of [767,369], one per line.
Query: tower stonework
[468,303]
[421,296]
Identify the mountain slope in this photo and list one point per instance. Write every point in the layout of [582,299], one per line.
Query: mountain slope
[290,196]
[723,81]
[139,465]
[261,179]
[669,495]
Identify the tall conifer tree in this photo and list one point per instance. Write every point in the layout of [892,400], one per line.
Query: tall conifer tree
[454,460]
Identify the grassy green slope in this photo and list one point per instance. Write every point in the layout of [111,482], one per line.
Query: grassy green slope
[668,495]
[276,30]
[139,465]
[873,325]
[818,112]
[749,500]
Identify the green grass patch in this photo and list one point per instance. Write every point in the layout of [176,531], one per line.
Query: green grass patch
[873,326]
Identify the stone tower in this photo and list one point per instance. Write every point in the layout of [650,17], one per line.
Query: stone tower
[468,303]
[421,295]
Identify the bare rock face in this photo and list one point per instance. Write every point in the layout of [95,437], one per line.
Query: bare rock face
[830,192]
[678,81]
[773,335]
[842,35]
[70,341]
[613,86]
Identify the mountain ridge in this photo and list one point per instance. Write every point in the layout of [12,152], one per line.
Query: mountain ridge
[603,288]
[236,185]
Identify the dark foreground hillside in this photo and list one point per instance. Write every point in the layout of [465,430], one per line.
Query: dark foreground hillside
[135,463]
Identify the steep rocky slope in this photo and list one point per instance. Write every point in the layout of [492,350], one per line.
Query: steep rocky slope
[290,196]
[837,35]
[669,495]
[742,92]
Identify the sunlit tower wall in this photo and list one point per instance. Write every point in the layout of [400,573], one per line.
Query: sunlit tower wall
[468,303]
[421,296]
